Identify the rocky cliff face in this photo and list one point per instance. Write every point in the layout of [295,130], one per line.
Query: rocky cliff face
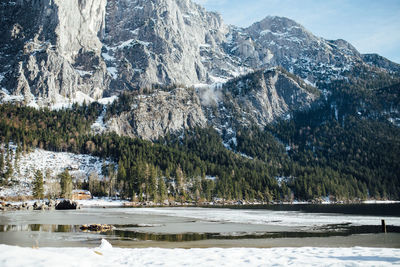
[154,115]
[164,42]
[264,96]
[57,51]
[54,50]
[51,49]
[258,98]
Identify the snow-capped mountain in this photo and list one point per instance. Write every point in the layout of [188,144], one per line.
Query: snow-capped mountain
[293,108]
[277,41]
[164,42]
[54,52]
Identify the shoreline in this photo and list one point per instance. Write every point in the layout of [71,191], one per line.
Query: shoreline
[111,203]
[364,209]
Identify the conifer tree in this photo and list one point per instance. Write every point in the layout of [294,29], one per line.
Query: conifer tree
[17,157]
[1,162]
[197,188]
[112,180]
[146,181]
[38,185]
[1,167]
[180,180]
[153,183]
[162,189]
[121,172]
[94,184]
[66,184]
[9,170]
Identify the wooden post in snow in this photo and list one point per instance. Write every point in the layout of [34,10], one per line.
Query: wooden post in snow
[383,226]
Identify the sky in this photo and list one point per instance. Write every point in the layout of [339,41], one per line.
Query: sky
[372,26]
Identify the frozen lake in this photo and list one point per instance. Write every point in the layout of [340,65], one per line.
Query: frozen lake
[199,227]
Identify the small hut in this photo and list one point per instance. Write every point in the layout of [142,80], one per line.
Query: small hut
[81,194]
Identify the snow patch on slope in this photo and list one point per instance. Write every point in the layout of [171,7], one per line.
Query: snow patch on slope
[63,102]
[79,166]
[107,100]
[99,126]
[6,97]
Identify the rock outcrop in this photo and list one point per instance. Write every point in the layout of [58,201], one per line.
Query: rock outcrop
[67,204]
[264,96]
[258,98]
[154,115]
[54,51]
[381,62]
[164,42]
[38,205]
[51,49]
[57,51]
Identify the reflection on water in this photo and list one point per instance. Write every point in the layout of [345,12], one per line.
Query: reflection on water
[122,233]
[133,235]
[191,227]
[340,230]
[53,228]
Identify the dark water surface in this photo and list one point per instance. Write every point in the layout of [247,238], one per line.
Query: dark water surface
[354,209]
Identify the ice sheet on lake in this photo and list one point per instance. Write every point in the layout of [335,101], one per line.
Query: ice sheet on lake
[101,202]
[267,217]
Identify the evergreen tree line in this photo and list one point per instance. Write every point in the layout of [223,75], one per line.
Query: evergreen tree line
[143,167]
[63,189]
[344,148]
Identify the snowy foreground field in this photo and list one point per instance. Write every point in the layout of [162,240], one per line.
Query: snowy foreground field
[106,255]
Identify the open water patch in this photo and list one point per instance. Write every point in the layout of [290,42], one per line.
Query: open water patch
[132,232]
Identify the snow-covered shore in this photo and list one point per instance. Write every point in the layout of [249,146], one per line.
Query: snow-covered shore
[101,202]
[106,255]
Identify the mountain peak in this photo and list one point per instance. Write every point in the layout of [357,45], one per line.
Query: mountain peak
[105,47]
[278,21]
[274,27]
[277,25]
[381,62]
